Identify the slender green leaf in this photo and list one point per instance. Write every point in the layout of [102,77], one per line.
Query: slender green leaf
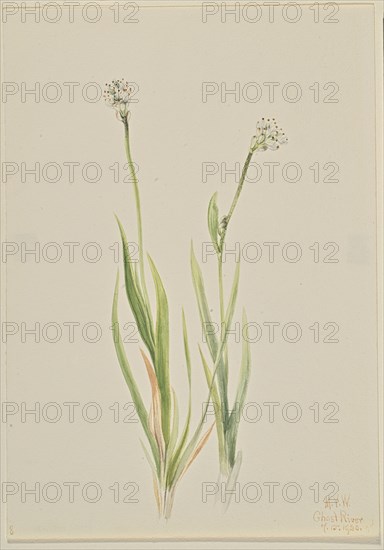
[232,299]
[213,222]
[187,354]
[194,440]
[222,372]
[189,450]
[189,372]
[156,479]
[233,478]
[135,298]
[155,413]
[217,405]
[175,426]
[149,459]
[162,351]
[185,431]
[198,449]
[128,375]
[207,325]
[205,315]
[245,369]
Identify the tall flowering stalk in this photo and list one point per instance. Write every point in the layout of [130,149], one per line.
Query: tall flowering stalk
[268,136]
[169,453]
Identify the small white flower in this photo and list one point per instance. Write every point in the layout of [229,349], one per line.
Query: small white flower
[117,95]
[268,136]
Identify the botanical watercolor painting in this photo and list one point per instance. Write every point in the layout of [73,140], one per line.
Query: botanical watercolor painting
[190,308]
[169,450]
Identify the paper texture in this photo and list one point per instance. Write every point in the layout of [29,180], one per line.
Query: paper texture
[304,231]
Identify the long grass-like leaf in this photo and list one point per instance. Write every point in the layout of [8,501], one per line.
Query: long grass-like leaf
[190,451]
[155,414]
[193,442]
[175,426]
[245,369]
[230,486]
[212,340]
[217,405]
[149,459]
[206,321]
[222,373]
[189,373]
[205,314]
[198,449]
[155,478]
[135,298]
[129,378]
[187,354]
[162,351]
[223,345]
[185,431]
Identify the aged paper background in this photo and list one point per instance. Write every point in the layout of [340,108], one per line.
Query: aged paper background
[178,134]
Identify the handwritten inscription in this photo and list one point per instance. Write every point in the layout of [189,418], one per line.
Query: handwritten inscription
[336,518]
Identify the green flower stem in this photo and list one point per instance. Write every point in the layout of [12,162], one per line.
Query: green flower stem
[235,200]
[138,207]
[226,467]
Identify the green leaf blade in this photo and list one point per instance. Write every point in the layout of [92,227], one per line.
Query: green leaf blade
[205,315]
[213,222]
[162,350]
[241,393]
[128,376]
[183,439]
[134,296]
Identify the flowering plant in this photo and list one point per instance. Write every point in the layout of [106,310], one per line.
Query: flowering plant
[170,454]
[268,136]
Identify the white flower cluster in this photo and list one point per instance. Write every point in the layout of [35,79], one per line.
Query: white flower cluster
[268,136]
[118,95]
